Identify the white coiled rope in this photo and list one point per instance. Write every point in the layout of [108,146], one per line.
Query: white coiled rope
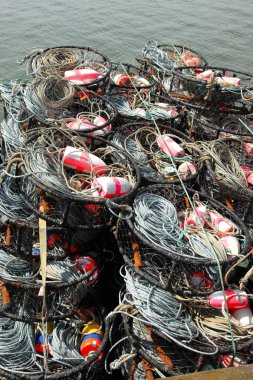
[11,204]
[64,343]
[17,342]
[135,151]
[14,268]
[156,219]
[162,311]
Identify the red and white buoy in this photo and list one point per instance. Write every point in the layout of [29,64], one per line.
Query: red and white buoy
[248,174]
[250,179]
[246,169]
[228,81]
[231,245]
[248,147]
[84,124]
[197,217]
[77,159]
[232,361]
[80,125]
[86,264]
[237,303]
[186,169]
[81,76]
[189,60]
[110,187]
[169,146]
[207,74]
[220,223]
[122,80]
[194,61]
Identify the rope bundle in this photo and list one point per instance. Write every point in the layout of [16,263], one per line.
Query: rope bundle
[63,345]
[161,271]
[53,60]
[224,159]
[48,98]
[54,93]
[155,165]
[13,268]
[163,311]
[144,106]
[156,219]
[17,347]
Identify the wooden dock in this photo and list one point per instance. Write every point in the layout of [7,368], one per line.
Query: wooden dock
[244,372]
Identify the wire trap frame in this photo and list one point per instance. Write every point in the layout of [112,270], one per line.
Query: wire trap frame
[58,60]
[170,204]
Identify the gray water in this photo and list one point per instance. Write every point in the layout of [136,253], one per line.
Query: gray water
[220,30]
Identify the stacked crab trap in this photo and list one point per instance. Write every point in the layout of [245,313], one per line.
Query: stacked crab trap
[126,199]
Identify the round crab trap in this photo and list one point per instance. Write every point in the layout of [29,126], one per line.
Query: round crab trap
[240,206]
[163,272]
[160,59]
[69,284]
[146,106]
[72,277]
[25,305]
[189,230]
[213,323]
[69,281]
[159,152]
[84,220]
[210,108]
[124,76]
[53,98]
[67,350]
[49,101]
[23,241]
[154,354]
[201,127]
[164,315]
[83,66]
[91,113]
[229,164]
[213,331]
[59,163]
[31,203]
[213,84]
[78,215]
[48,98]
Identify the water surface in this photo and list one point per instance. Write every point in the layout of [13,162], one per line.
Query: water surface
[219,30]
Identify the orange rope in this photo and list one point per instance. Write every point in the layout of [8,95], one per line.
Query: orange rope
[137,255]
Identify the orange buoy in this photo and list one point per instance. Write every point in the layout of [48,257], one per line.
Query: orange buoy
[90,344]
